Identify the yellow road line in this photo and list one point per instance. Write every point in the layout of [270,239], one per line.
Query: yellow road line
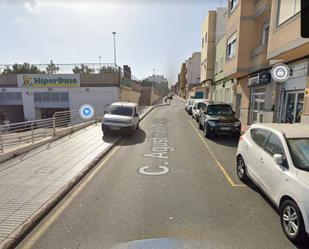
[220,166]
[58,210]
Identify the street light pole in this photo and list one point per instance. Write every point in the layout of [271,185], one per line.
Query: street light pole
[100,64]
[114,34]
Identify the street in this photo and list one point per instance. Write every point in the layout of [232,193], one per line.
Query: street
[165,187]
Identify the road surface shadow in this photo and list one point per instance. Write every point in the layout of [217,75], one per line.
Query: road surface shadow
[252,185]
[137,138]
[226,140]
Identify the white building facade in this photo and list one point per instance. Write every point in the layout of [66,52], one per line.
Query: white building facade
[36,96]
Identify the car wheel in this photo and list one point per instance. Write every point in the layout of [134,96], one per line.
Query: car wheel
[242,169]
[207,134]
[292,221]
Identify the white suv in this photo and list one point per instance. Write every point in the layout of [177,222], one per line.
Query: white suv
[276,158]
[121,117]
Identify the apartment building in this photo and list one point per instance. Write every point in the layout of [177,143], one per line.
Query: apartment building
[213,29]
[246,65]
[286,45]
[182,80]
[193,65]
[222,89]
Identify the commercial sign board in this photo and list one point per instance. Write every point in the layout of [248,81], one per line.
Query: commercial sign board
[48,80]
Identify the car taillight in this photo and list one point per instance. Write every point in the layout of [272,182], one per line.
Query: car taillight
[241,138]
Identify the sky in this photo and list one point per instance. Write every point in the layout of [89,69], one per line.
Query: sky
[151,35]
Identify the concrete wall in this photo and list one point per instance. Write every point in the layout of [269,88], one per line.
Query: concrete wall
[154,96]
[127,94]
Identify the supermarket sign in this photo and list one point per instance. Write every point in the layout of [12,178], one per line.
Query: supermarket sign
[48,80]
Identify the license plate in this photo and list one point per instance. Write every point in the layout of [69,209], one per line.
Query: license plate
[225,128]
[115,128]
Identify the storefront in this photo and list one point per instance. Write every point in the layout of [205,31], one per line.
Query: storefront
[293,92]
[37,96]
[262,93]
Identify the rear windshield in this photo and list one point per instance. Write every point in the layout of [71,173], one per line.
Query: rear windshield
[219,110]
[299,149]
[121,110]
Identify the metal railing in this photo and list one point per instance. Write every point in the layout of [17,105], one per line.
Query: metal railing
[28,132]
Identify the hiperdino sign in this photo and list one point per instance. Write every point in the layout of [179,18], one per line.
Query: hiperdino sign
[48,80]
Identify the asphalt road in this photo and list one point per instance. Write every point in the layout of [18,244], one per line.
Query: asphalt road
[165,187]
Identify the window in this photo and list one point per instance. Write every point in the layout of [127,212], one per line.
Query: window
[202,42]
[55,97]
[299,149]
[274,145]
[259,136]
[205,39]
[287,9]
[232,5]
[37,97]
[231,47]
[227,95]
[64,97]
[265,34]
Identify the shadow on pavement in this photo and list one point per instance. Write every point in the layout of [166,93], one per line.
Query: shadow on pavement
[226,140]
[251,185]
[137,138]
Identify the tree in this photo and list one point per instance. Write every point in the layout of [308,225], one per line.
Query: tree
[107,69]
[25,68]
[52,68]
[83,69]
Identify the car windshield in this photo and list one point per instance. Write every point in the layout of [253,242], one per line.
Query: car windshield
[199,105]
[219,110]
[121,110]
[299,149]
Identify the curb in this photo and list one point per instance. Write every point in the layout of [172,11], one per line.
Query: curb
[23,230]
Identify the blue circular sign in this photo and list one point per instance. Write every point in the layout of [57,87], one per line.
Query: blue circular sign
[86,111]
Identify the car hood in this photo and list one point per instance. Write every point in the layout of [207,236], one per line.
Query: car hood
[117,118]
[304,176]
[223,118]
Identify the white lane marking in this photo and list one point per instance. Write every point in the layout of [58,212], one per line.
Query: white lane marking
[143,171]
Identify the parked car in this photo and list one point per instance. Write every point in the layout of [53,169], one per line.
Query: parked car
[188,103]
[276,158]
[121,117]
[216,118]
[170,96]
[197,105]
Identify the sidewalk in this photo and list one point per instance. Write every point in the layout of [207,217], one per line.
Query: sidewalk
[32,183]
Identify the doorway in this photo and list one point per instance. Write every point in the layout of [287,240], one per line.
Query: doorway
[293,107]
[258,104]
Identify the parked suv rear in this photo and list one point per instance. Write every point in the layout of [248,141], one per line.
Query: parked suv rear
[218,117]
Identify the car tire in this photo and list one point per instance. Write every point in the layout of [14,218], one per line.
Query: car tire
[292,221]
[241,170]
[207,134]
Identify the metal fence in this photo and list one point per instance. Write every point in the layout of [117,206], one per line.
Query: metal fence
[15,134]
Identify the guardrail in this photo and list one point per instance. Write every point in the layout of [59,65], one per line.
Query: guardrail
[32,131]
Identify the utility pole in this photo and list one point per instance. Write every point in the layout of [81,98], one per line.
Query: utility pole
[115,62]
[100,64]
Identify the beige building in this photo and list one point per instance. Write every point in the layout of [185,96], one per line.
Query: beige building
[287,46]
[213,29]
[246,65]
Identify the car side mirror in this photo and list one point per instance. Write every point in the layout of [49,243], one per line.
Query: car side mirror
[278,158]
[105,112]
[136,115]
[233,112]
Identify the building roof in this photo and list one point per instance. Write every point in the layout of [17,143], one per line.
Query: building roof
[288,130]
[125,104]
